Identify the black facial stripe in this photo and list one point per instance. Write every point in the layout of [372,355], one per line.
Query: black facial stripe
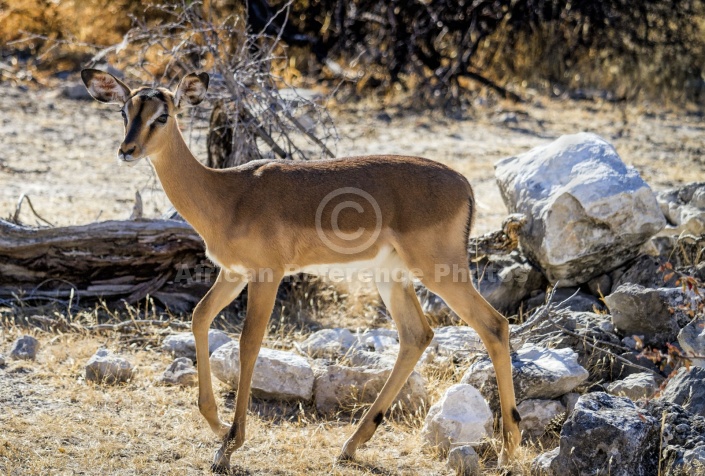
[135,127]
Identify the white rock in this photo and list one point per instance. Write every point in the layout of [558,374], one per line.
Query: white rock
[537,414]
[457,341]
[634,386]
[107,368]
[464,461]
[538,373]
[180,372]
[342,388]
[461,417]
[330,343]
[587,212]
[278,374]
[364,358]
[692,339]
[183,344]
[684,208]
[380,340]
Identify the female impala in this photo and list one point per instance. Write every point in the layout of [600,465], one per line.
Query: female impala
[378,213]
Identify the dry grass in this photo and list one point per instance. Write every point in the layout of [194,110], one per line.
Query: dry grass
[54,422]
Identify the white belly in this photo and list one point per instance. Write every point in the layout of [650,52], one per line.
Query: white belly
[385,266]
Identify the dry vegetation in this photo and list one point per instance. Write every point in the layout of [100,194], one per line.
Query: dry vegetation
[55,422]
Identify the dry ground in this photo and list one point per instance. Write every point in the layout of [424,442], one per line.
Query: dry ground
[54,422]
[61,153]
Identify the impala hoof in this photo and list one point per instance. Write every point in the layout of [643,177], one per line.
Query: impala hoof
[221,464]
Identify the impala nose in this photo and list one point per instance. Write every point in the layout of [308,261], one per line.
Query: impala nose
[125,153]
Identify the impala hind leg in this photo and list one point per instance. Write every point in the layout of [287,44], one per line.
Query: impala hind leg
[493,328]
[226,288]
[414,336]
[260,301]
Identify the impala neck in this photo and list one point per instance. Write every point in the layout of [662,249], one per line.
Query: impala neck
[188,184]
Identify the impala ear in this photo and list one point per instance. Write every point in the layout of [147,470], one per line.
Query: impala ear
[191,90]
[105,87]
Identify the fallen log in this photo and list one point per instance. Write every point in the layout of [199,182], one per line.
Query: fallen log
[113,261]
[126,261]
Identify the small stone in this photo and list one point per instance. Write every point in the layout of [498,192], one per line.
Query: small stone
[692,340]
[637,310]
[180,372]
[328,343]
[25,348]
[600,285]
[461,417]
[107,368]
[464,461]
[684,208]
[634,386]
[278,374]
[537,414]
[2,360]
[183,344]
[380,340]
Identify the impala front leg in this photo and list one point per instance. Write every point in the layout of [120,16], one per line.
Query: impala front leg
[260,301]
[226,288]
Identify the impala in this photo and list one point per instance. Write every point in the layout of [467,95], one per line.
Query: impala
[381,213]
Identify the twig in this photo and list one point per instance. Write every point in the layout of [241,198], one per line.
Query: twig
[18,209]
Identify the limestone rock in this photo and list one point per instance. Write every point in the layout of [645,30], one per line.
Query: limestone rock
[538,373]
[104,367]
[588,212]
[329,343]
[278,375]
[340,387]
[634,386]
[536,414]
[461,417]
[684,208]
[183,344]
[458,342]
[180,372]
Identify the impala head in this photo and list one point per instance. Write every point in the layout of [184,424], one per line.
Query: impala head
[149,114]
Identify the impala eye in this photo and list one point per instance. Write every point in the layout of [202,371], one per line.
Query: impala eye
[124,116]
[163,118]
